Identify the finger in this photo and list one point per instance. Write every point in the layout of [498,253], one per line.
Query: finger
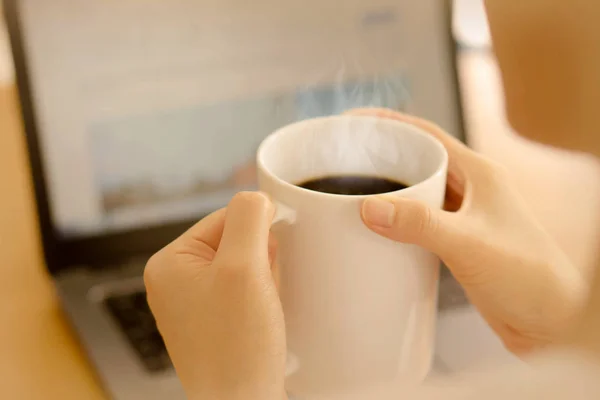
[272,248]
[209,230]
[413,222]
[201,241]
[198,245]
[245,236]
[275,272]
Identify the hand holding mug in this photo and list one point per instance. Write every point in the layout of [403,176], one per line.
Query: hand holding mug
[213,293]
[512,271]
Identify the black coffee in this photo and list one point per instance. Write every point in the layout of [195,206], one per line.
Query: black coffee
[353,185]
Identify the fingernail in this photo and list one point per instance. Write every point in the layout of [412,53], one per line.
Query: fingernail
[379,212]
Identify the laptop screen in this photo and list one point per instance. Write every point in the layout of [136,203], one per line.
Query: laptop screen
[151,111]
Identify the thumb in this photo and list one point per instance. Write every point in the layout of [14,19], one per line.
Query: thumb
[410,221]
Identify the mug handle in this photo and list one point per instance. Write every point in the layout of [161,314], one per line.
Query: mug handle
[283,215]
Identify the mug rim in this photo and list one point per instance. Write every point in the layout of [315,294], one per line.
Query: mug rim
[260,155]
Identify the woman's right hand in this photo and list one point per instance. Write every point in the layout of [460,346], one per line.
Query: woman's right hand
[512,271]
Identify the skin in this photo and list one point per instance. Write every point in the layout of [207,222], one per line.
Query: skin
[214,292]
[550,64]
[548,55]
[512,271]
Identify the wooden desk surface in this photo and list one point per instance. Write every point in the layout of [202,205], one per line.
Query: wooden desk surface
[39,355]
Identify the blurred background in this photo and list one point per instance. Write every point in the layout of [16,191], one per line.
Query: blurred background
[37,347]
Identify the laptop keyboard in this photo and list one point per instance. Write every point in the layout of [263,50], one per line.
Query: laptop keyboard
[135,319]
[133,315]
[451,294]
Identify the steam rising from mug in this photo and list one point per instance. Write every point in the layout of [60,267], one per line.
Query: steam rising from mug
[346,146]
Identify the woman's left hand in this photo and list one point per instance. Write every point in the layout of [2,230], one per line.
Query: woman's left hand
[214,295]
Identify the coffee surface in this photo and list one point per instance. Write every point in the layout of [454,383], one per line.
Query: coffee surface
[353,185]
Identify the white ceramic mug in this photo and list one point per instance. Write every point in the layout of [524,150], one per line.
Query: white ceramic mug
[359,308]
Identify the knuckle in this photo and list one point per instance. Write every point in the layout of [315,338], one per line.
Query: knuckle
[152,272]
[416,222]
[252,204]
[186,248]
[427,223]
[255,199]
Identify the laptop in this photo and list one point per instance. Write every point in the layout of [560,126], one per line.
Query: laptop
[143,116]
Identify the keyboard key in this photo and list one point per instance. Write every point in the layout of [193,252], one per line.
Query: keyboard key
[137,323]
